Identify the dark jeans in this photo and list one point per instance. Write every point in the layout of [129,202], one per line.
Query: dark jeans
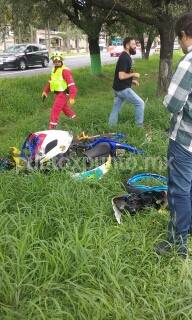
[179,194]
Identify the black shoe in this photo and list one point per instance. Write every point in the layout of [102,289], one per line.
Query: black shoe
[163,248]
[182,255]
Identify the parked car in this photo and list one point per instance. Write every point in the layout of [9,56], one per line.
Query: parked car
[23,55]
[176,46]
[116,51]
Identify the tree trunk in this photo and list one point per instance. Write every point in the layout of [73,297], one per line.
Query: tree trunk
[145,49]
[95,68]
[77,40]
[46,36]
[31,32]
[68,37]
[148,47]
[142,48]
[87,44]
[49,39]
[165,66]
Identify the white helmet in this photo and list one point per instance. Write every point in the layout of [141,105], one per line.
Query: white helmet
[45,145]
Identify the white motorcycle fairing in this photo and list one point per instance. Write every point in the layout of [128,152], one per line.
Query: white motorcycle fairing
[45,145]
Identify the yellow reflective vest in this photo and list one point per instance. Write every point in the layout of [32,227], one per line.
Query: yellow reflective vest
[57,83]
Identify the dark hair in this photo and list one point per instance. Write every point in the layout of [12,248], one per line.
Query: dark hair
[127,40]
[184,23]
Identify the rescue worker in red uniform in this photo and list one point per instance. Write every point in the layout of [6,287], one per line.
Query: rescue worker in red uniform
[62,84]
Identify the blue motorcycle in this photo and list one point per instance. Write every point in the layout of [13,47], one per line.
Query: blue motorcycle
[102,148]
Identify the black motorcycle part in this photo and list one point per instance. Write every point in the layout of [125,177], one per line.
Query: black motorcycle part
[6,164]
[133,203]
[102,149]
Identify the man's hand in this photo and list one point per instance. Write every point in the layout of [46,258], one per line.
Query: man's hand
[44,95]
[136,83]
[71,102]
[136,75]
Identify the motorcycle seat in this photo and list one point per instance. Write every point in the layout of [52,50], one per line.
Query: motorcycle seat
[102,149]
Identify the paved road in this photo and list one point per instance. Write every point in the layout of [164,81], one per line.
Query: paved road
[72,62]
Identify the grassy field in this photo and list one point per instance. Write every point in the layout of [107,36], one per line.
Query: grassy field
[63,256]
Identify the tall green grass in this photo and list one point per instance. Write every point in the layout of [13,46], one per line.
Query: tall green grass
[62,253]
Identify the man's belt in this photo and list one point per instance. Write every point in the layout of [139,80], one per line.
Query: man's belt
[65,91]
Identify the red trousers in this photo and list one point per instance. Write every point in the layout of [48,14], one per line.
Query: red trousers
[60,104]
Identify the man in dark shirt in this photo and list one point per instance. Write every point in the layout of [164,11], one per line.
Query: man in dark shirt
[122,84]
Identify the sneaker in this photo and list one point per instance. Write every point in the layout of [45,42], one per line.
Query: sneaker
[163,248]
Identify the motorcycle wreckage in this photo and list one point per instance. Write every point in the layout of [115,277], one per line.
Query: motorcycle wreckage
[141,195]
[59,146]
[45,150]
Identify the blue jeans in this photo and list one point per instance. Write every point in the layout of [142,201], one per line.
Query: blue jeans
[130,96]
[179,194]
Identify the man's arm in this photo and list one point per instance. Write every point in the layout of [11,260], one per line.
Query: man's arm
[124,75]
[179,88]
[67,75]
[47,88]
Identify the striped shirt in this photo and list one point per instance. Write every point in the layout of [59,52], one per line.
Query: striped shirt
[178,101]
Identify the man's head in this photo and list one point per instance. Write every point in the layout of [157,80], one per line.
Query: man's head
[57,63]
[57,58]
[129,45]
[183,29]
